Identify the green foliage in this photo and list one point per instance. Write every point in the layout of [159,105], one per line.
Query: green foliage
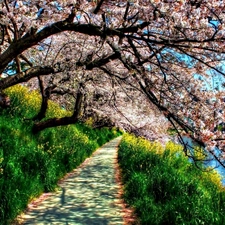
[31,164]
[165,188]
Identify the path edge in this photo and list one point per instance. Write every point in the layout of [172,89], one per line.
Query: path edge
[129,216]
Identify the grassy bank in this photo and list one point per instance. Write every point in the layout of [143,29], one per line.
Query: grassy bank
[165,188]
[31,164]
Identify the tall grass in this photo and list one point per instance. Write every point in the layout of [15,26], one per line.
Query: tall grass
[165,188]
[31,164]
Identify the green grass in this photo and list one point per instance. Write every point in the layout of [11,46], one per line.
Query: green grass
[165,188]
[31,164]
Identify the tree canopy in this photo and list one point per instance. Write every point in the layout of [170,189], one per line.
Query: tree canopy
[160,54]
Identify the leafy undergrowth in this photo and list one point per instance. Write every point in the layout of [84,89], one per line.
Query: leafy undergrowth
[165,188]
[31,164]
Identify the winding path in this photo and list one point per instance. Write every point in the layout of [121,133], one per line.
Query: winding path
[89,195]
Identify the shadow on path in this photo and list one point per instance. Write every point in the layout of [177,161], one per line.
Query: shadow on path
[88,195]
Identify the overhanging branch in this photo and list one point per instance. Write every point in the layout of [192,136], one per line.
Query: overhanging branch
[32,38]
[55,122]
[25,76]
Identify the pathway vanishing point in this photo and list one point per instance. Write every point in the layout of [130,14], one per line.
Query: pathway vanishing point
[89,195]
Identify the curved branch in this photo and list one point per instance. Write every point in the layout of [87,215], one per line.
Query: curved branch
[32,38]
[55,122]
[25,76]
[98,7]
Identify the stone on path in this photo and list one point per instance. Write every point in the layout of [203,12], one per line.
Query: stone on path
[88,195]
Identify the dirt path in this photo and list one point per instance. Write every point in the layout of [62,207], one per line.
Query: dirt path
[89,195]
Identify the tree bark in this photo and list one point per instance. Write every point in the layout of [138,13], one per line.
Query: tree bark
[45,94]
[25,76]
[55,122]
[32,37]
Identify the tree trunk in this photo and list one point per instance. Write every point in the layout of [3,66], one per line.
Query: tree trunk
[55,122]
[45,94]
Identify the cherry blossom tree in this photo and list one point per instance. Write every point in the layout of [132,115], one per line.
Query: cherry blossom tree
[154,48]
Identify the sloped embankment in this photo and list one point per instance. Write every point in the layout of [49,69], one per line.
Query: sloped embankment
[165,188]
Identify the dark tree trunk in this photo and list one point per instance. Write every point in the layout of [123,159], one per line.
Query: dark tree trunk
[55,122]
[43,110]
[45,94]
[4,100]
